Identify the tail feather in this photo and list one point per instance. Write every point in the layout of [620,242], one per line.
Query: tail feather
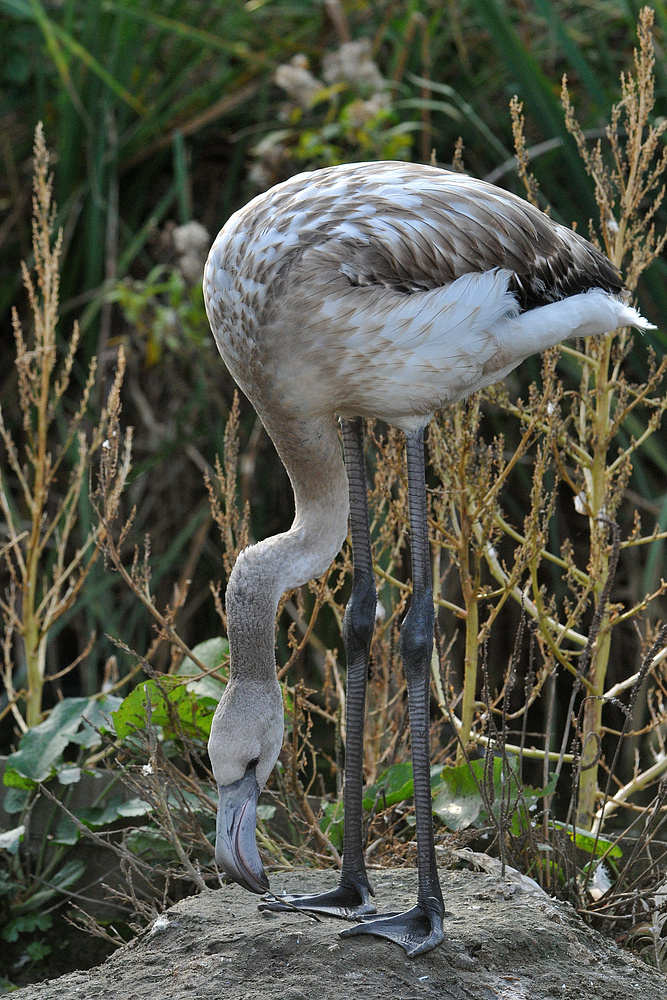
[587,314]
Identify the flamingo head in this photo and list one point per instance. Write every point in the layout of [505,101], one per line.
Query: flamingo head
[246,737]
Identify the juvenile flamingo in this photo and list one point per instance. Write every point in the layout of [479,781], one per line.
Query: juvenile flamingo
[368,290]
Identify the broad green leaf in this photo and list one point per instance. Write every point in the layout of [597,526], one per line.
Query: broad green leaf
[96,817]
[212,653]
[16,800]
[25,924]
[458,802]
[15,780]
[97,718]
[168,703]
[67,875]
[147,842]
[331,823]
[67,833]
[8,887]
[73,720]
[394,785]
[69,775]
[64,878]
[38,950]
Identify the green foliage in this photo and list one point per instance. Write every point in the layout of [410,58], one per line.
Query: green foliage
[394,785]
[166,311]
[78,721]
[212,654]
[178,707]
[332,822]
[337,125]
[475,794]
[167,702]
[26,924]
[56,755]
[584,841]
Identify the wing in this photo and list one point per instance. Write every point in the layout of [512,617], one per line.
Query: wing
[412,228]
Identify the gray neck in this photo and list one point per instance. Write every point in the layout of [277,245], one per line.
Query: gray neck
[263,572]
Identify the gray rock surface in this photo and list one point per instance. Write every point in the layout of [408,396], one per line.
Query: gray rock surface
[504,940]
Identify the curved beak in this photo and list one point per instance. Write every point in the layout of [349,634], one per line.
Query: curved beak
[235,845]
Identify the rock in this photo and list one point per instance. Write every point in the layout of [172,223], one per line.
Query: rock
[513,946]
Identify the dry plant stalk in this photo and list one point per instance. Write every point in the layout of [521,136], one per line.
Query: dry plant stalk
[113,531]
[45,564]
[572,438]
[628,196]
[233,527]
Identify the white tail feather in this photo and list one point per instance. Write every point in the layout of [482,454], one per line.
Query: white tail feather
[585,315]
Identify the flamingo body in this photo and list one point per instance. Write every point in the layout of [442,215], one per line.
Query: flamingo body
[368,290]
[390,290]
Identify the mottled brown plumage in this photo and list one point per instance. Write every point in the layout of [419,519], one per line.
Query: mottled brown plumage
[436,227]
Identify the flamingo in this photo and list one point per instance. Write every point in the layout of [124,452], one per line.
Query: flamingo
[384,290]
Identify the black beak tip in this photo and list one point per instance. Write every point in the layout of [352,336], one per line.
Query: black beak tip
[236,847]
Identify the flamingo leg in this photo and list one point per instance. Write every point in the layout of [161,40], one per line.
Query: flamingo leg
[419,929]
[351,899]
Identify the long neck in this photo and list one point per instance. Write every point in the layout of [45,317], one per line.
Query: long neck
[312,456]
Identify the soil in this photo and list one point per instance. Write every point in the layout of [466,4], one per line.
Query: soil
[505,939]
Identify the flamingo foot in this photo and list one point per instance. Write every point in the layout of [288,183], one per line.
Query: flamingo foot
[417,930]
[351,900]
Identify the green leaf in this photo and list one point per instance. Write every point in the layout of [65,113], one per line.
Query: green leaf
[8,887]
[331,823]
[25,924]
[145,841]
[96,817]
[69,775]
[63,879]
[97,718]
[38,950]
[586,841]
[172,702]
[67,833]
[73,720]
[14,779]
[458,802]
[16,800]
[394,785]
[212,653]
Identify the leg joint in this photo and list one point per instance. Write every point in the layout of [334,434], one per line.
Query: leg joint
[416,639]
[359,620]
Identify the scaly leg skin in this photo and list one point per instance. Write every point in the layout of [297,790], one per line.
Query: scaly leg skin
[352,897]
[419,929]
